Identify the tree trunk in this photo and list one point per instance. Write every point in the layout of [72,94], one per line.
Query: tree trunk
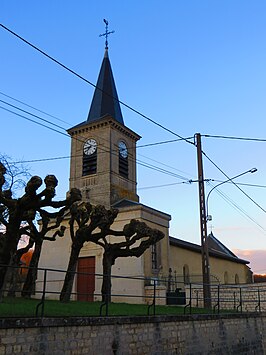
[13,276]
[11,281]
[30,282]
[107,272]
[4,262]
[71,272]
[7,251]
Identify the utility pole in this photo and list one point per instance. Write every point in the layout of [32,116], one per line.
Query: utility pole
[203,228]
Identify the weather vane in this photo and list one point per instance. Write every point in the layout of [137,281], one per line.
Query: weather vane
[106,34]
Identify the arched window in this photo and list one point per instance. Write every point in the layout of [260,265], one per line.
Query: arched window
[236,279]
[186,274]
[226,277]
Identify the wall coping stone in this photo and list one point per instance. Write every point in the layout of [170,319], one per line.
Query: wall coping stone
[13,322]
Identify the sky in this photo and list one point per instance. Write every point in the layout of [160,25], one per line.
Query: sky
[190,66]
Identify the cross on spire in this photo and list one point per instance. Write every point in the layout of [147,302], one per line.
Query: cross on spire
[106,34]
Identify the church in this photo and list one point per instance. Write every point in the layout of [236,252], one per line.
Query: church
[103,167]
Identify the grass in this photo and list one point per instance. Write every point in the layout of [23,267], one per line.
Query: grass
[19,307]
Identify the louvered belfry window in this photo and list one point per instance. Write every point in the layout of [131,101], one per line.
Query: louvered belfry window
[89,164]
[123,166]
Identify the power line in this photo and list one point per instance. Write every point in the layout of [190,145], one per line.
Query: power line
[140,188]
[137,161]
[150,166]
[32,114]
[164,185]
[164,142]
[122,103]
[141,146]
[235,138]
[42,160]
[236,207]
[168,166]
[190,181]
[59,119]
[49,122]
[147,165]
[90,83]
[81,139]
[239,209]
[52,116]
[34,108]
[153,167]
[63,128]
[38,123]
[172,184]
[239,188]
[244,184]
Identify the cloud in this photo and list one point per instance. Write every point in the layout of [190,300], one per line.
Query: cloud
[257,259]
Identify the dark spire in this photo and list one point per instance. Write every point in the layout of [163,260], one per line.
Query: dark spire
[105,98]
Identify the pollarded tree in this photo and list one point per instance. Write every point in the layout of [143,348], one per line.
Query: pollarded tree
[137,238]
[94,225]
[16,212]
[16,176]
[49,222]
[87,224]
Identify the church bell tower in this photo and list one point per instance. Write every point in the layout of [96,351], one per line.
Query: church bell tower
[103,149]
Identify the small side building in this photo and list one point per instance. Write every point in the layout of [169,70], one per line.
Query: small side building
[225,266]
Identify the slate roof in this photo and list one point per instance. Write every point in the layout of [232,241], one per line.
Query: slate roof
[105,98]
[216,246]
[125,203]
[216,249]
[129,203]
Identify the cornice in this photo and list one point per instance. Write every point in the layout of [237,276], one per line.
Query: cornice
[103,122]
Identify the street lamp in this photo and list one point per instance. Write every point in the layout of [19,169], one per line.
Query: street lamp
[209,218]
[205,251]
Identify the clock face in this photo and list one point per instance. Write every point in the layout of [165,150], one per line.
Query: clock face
[123,149]
[90,147]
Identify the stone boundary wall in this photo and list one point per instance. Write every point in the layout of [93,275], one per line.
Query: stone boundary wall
[164,335]
[246,297]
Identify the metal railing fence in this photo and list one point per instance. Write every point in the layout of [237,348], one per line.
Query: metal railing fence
[152,295]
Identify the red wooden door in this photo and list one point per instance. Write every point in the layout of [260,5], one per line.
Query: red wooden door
[86,279]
